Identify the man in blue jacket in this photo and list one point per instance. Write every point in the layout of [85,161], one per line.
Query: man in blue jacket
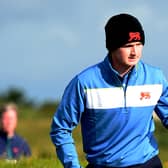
[12,146]
[114,100]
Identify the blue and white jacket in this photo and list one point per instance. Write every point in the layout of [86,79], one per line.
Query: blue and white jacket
[116,115]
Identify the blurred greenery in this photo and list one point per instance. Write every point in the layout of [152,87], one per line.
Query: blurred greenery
[34,126]
[161,134]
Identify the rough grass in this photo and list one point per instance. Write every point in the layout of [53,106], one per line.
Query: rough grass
[35,129]
[32,163]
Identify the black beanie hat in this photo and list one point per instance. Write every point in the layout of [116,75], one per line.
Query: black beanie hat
[121,29]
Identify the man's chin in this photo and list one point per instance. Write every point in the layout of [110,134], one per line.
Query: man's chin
[133,62]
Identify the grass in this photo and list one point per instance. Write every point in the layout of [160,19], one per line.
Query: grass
[35,129]
[161,135]
[36,132]
[32,163]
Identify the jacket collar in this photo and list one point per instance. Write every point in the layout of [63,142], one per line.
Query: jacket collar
[4,135]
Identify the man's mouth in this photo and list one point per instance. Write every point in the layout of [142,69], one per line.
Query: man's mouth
[132,58]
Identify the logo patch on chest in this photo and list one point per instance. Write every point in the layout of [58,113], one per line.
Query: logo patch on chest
[15,150]
[145,95]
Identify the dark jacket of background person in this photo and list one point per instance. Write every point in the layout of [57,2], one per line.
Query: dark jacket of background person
[14,147]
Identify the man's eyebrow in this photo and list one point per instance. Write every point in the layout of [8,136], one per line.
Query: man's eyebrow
[130,44]
[127,45]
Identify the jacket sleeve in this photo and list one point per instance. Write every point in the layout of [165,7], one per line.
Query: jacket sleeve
[161,108]
[65,120]
[26,149]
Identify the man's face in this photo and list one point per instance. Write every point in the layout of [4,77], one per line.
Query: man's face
[127,55]
[9,121]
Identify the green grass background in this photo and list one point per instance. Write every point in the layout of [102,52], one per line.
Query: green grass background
[35,127]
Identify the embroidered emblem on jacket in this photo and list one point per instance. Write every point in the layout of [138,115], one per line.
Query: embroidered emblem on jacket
[145,95]
[15,150]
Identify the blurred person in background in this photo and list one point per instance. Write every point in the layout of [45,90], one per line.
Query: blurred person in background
[12,146]
[114,100]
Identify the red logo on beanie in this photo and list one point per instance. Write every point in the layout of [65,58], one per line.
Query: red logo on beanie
[134,36]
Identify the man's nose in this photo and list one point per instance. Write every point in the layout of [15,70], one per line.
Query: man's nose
[133,50]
